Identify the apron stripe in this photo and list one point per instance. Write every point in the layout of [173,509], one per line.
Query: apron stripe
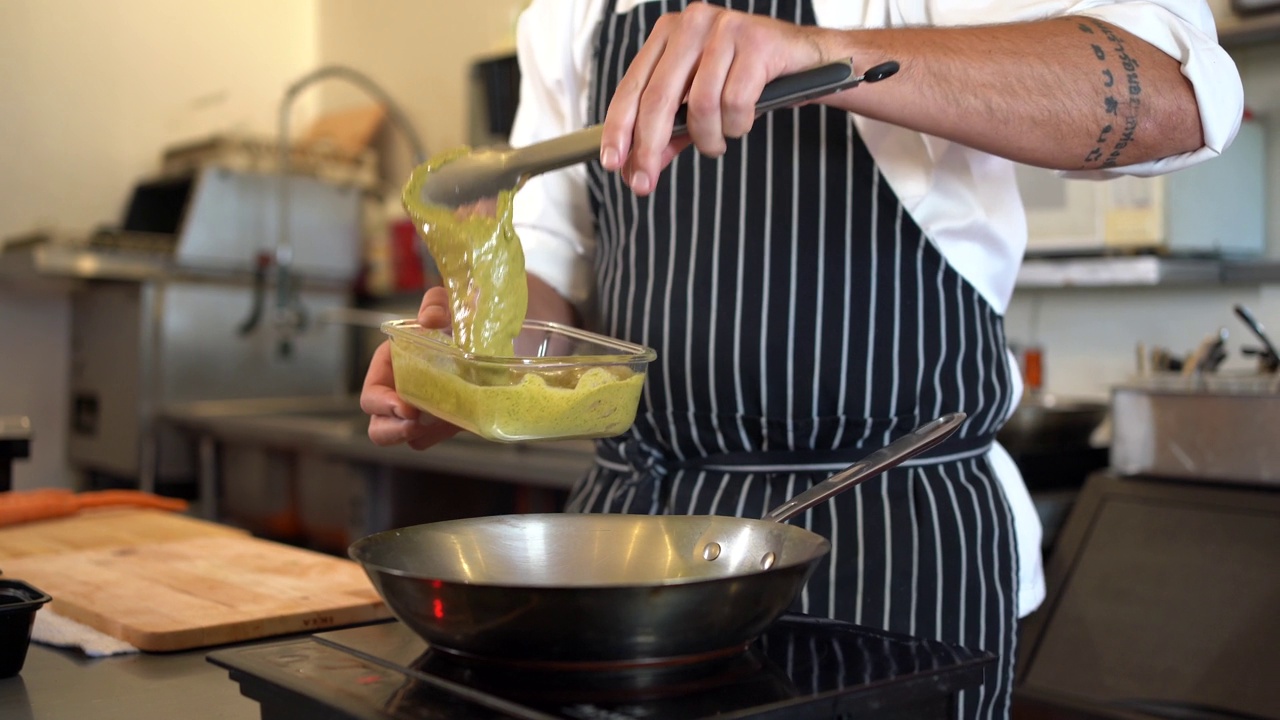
[846,329]
[717,433]
[896,328]
[765,285]
[833,534]
[740,290]
[869,385]
[978,537]
[942,349]
[915,552]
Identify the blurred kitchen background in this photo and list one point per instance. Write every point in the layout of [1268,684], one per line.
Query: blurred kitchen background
[146,280]
[162,328]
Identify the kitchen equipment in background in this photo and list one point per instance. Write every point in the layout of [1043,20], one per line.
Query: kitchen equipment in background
[139,346]
[162,325]
[1215,208]
[1160,603]
[1268,355]
[483,173]
[288,316]
[1051,439]
[303,470]
[230,218]
[15,443]
[1056,441]
[1207,356]
[802,668]
[566,590]
[495,95]
[19,603]
[240,153]
[1206,428]
[1254,7]
[1180,418]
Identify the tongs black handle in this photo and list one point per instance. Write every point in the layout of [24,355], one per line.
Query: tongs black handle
[805,85]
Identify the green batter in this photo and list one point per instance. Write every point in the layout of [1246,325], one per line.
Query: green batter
[482,265]
[595,402]
[480,260]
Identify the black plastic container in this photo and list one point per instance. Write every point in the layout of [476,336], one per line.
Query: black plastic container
[18,605]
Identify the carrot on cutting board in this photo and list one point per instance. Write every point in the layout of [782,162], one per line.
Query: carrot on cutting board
[19,506]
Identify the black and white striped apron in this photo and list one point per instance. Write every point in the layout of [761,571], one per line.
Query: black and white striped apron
[803,320]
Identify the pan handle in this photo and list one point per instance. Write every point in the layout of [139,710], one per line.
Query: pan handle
[904,448]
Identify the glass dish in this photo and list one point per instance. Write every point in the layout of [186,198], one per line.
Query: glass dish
[563,382]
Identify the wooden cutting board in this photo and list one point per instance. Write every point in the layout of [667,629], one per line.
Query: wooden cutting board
[103,528]
[177,594]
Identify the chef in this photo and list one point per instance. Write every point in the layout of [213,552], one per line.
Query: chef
[818,281]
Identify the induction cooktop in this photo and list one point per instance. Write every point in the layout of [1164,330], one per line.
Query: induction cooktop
[802,667]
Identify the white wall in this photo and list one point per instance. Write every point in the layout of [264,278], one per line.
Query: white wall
[91,93]
[421,53]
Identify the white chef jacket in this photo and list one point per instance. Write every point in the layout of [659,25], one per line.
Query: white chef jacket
[978,226]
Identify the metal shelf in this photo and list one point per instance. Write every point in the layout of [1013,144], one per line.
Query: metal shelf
[1045,273]
[1126,271]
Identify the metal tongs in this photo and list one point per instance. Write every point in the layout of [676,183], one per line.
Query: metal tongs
[483,173]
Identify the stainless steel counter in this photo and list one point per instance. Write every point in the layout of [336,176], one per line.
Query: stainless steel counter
[311,459]
[59,684]
[77,261]
[336,427]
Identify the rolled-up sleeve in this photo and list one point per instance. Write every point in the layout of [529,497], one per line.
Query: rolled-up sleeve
[1185,30]
[551,212]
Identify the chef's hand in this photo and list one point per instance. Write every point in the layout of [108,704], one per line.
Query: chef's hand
[721,59]
[392,420]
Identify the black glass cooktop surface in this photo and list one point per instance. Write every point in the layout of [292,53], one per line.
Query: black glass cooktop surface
[802,667]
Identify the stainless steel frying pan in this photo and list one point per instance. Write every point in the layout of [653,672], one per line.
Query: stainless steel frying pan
[571,589]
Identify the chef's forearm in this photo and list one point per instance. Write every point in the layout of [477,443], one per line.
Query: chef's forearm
[1067,93]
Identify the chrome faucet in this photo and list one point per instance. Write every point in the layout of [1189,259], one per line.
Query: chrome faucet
[289,315]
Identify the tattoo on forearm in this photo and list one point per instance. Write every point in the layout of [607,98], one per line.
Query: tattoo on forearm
[1120,78]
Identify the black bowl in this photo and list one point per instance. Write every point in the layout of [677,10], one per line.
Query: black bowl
[18,605]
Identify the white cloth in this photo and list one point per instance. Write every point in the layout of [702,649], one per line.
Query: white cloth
[60,631]
[979,227]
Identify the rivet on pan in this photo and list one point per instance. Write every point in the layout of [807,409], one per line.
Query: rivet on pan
[768,560]
[711,551]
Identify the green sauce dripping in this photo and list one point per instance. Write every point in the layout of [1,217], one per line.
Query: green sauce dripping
[480,261]
[482,264]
